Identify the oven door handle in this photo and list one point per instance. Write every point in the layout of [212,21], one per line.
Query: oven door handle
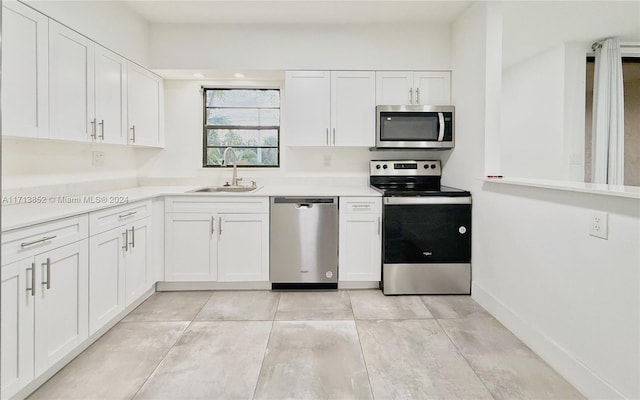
[389,201]
[441,127]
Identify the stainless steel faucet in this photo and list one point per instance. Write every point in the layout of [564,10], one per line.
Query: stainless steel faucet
[234,178]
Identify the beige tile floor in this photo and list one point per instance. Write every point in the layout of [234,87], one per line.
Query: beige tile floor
[307,345]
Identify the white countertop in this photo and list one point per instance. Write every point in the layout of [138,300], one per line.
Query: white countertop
[39,209]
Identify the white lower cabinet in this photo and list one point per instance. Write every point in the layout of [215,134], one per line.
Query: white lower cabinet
[16,338]
[243,248]
[44,312]
[205,245]
[360,239]
[120,270]
[61,303]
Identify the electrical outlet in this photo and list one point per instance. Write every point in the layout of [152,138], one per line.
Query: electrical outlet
[326,160]
[97,158]
[599,224]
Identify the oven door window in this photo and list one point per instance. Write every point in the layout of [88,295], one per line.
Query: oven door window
[427,234]
[409,126]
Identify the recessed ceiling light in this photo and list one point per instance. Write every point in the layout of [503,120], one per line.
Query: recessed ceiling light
[198,75]
[238,75]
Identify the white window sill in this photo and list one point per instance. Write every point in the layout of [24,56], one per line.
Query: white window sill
[632,192]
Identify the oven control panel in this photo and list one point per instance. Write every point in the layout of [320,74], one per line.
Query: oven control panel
[405,168]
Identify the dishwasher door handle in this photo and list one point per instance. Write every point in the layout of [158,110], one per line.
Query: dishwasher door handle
[304,205]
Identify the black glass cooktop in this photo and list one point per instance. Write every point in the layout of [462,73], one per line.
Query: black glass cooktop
[396,190]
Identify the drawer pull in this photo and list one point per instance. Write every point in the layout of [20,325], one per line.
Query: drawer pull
[32,289]
[361,206]
[127,215]
[44,239]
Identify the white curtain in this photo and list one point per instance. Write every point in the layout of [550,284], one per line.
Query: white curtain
[607,144]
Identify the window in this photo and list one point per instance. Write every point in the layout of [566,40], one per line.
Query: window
[247,120]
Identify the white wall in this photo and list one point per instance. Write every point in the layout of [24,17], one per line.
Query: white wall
[405,46]
[573,298]
[543,118]
[29,163]
[110,23]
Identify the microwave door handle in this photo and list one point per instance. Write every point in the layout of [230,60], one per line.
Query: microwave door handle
[441,127]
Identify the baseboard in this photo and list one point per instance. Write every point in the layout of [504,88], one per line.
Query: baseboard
[51,371]
[583,378]
[181,286]
[358,285]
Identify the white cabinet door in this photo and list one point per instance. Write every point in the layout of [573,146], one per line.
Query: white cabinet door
[16,348]
[106,277]
[360,239]
[191,247]
[243,248]
[353,106]
[110,97]
[25,72]
[144,91]
[432,88]
[394,88]
[71,97]
[307,117]
[137,272]
[61,315]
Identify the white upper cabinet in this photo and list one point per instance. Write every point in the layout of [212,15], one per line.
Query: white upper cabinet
[413,88]
[25,50]
[394,87]
[353,108]
[307,108]
[110,119]
[71,91]
[145,98]
[330,108]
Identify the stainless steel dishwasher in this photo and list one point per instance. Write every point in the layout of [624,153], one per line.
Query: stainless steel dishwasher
[303,250]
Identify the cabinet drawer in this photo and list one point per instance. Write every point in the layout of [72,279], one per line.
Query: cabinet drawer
[361,205]
[26,242]
[237,205]
[103,220]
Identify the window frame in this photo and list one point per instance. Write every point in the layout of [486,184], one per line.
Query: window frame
[205,127]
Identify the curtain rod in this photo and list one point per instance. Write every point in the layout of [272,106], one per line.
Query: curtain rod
[598,45]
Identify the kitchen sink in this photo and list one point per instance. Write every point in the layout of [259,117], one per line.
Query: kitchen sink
[214,189]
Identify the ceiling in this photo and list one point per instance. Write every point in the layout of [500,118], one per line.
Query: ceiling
[297,11]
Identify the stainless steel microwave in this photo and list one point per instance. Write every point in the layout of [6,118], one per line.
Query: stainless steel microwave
[415,127]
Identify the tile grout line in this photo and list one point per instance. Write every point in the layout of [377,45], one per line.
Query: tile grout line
[465,358]
[264,355]
[186,328]
[366,368]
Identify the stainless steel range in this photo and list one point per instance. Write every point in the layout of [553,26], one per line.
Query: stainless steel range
[426,241]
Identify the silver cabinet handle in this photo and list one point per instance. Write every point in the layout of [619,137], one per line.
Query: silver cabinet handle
[410,95]
[48,265]
[126,240]
[133,237]
[327,136]
[220,226]
[213,225]
[133,133]
[127,215]
[32,289]
[417,95]
[334,136]
[441,122]
[93,129]
[379,223]
[44,239]
[101,123]
[361,206]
